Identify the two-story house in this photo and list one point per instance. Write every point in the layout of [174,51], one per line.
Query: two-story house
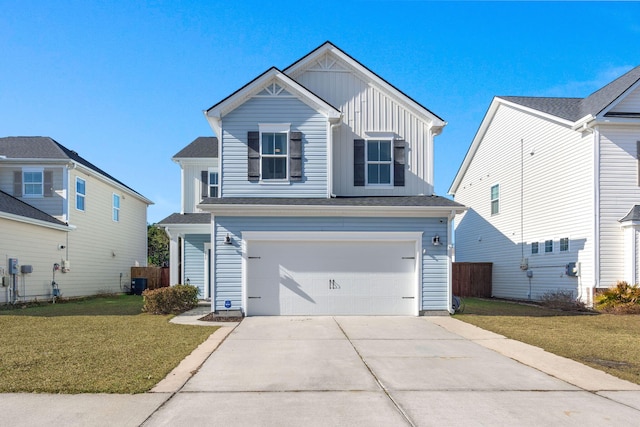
[553,190]
[316,197]
[61,214]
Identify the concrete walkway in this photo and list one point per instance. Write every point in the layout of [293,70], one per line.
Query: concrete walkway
[357,371]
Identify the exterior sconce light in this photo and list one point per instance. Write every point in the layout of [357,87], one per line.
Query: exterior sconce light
[188,281]
[227,240]
[436,240]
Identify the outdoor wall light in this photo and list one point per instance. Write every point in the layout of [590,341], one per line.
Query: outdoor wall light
[227,240]
[436,240]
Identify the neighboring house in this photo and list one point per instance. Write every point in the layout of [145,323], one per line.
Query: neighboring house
[550,182]
[316,197]
[59,209]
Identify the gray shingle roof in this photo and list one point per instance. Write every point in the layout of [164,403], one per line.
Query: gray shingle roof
[202,146]
[187,218]
[419,201]
[633,215]
[44,147]
[576,108]
[10,204]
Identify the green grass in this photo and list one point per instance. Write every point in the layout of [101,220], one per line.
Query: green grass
[607,342]
[99,345]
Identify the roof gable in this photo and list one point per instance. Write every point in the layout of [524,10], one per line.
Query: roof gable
[13,206]
[329,56]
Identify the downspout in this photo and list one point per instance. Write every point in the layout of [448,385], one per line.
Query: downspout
[450,247]
[212,262]
[331,127]
[596,207]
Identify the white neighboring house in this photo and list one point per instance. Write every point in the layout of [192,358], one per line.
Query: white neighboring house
[80,218]
[324,201]
[550,182]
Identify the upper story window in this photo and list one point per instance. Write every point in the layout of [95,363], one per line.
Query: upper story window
[213,183]
[116,207]
[379,162]
[535,248]
[81,193]
[274,155]
[564,244]
[548,246]
[495,199]
[32,182]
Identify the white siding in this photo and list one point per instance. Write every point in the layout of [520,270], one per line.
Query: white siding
[192,184]
[194,260]
[36,246]
[228,258]
[619,191]
[366,108]
[277,109]
[557,183]
[630,104]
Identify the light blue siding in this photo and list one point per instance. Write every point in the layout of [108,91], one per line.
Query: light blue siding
[194,260]
[274,110]
[228,258]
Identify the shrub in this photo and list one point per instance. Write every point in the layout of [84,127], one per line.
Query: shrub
[562,300]
[172,300]
[622,298]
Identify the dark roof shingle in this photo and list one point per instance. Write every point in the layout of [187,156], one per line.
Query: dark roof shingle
[418,201]
[202,146]
[11,205]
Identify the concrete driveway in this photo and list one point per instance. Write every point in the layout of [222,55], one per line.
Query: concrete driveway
[390,371]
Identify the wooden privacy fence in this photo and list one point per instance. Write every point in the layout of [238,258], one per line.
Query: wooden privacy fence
[472,279]
[157,277]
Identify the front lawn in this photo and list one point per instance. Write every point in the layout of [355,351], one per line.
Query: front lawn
[99,345]
[604,341]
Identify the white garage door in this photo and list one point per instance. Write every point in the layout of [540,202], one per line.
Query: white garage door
[331,278]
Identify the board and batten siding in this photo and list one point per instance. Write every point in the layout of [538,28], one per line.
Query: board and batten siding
[366,108]
[36,246]
[274,110]
[194,260]
[228,258]
[619,191]
[546,187]
[101,251]
[54,204]
[192,183]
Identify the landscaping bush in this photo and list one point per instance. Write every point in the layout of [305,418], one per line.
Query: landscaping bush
[172,300]
[562,300]
[620,299]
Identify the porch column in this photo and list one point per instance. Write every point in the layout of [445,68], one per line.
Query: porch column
[630,253]
[174,261]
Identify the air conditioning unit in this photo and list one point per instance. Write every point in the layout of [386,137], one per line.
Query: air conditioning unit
[524,264]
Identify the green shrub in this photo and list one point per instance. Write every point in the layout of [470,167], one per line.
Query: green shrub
[172,300]
[623,298]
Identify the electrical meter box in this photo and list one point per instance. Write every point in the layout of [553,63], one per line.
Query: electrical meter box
[13,266]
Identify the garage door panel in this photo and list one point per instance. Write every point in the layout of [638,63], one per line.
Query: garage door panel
[331,278]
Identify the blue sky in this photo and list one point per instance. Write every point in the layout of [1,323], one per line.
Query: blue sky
[124,83]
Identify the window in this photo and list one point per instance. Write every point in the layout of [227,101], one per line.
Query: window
[379,162]
[534,248]
[116,207]
[32,182]
[213,184]
[548,246]
[274,158]
[80,193]
[564,244]
[495,199]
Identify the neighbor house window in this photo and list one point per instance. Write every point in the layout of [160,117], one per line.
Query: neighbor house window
[564,244]
[548,246]
[213,184]
[535,248]
[116,207]
[495,199]
[274,157]
[32,182]
[80,193]
[379,162]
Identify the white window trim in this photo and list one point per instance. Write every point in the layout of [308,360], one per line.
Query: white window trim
[84,195]
[492,199]
[274,128]
[366,161]
[115,209]
[24,183]
[210,171]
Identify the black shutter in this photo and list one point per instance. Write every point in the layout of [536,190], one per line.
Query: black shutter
[358,162]
[253,159]
[204,177]
[48,184]
[17,183]
[398,162]
[295,156]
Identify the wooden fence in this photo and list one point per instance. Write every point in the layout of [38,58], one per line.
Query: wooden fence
[157,277]
[472,279]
